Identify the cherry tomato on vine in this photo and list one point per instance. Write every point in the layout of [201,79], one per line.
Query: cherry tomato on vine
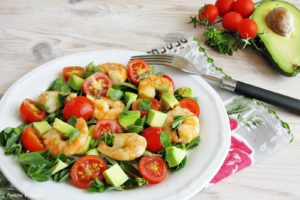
[231,21]
[244,7]
[247,29]
[224,6]
[209,12]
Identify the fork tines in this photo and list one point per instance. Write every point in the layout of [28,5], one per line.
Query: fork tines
[161,58]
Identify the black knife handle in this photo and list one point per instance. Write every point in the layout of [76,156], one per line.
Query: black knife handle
[267,96]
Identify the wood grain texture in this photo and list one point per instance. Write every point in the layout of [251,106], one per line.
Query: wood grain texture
[36,31]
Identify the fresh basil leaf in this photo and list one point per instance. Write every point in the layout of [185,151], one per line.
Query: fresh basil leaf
[115,94]
[32,158]
[10,139]
[177,121]
[193,143]
[165,139]
[72,121]
[144,104]
[180,166]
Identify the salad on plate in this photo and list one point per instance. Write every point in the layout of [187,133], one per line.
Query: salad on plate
[106,127]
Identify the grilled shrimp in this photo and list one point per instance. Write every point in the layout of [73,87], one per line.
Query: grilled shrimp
[149,86]
[187,130]
[116,72]
[106,108]
[126,147]
[49,100]
[53,140]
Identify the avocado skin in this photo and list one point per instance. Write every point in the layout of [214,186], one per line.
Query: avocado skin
[264,50]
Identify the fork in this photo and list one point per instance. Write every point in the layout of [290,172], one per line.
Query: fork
[178,62]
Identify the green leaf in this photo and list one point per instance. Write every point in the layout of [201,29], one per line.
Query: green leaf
[59,85]
[74,134]
[177,121]
[135,129]
[193,143]
[180,166]
[61,175]
[42,107]
[125,86]
[144,104]
[97,186]
[115,94]
[130,169]
[161,88]
[34,158]
[72,121]
[165,139]
[108,138]
[61,97]
[94,143]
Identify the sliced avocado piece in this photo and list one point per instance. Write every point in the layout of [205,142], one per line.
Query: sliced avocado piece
[86,146]
[64,128]
[156,118]
[129,98]
[58,166]
[75,82]
[115,176]
[41,127]
[128,118]
[281,51]
[184,92]
[93,152]
[169,101]
[174,155]
[115,94]
[91,130]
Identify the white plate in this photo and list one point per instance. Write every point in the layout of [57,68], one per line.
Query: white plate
[202,164]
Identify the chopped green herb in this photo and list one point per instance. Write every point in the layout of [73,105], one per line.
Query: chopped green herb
[165,139]
[72,121]
[144,104]
[177,121]
[193,143]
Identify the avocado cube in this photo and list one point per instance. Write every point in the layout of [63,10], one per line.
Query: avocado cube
[184,92]
[64,128]
[174,155]
[115,176]
[93,152]
[58,166]
[75,82]
[128,118]
[114,94]
[41,127]
[169,101]
[129,98]
[156,118]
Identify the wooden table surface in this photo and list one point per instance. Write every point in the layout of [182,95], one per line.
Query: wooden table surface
[36,31]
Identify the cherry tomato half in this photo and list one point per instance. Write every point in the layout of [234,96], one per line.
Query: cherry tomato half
[153,169]
[154,104]
[244,7]
[152,136]
[87,169]
[97,85]
[247,29]
[29,112]
[170,79]
[80,107]
[105,125]
[224,6]
[231,21]
[135,69]
[30,140]
[191,105]
[209,12]
[73,70]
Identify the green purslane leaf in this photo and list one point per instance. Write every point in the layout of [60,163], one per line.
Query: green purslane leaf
[144,104]
[138,125]
[74,134]
[125,86]
[72,121]
[59,85]
[194,143]
[177,121]
[32,158]
[108,138]
[165,139]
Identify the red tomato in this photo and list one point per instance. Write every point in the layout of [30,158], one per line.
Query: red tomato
[135,69]
[155,105]
[29,112]
[209,12]
[153,169]
[231,21]
[73,70]
[105,125]
[244,7]
[224,6]
[30,140]
[190,104]
[87,169]
[80,107]
[96,85]
[170,79]
[152,135]
[247,29]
